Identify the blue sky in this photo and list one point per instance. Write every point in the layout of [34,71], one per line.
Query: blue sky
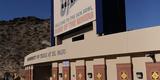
[10,9]
[139,13]
[142,13]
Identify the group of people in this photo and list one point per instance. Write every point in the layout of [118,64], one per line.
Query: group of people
[11,76]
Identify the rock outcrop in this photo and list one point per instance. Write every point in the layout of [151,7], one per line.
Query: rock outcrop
[20,37]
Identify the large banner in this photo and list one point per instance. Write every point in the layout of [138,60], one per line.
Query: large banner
[70,14]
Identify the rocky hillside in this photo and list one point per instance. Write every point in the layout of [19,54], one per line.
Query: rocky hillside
[18,38]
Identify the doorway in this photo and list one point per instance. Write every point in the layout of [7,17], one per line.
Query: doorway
[42,72]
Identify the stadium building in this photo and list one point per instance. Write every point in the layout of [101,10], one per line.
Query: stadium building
[91,41]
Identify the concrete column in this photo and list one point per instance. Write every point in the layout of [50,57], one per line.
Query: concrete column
[73,70]
[31,72]
[139,66]
[89,70]
[60,65]
[26,73]
[111,69]
[55,71]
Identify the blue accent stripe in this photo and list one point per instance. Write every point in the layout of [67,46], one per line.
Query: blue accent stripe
[99,16]
[52,39]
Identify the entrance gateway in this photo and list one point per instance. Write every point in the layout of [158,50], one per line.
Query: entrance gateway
[82,34]
[83,71]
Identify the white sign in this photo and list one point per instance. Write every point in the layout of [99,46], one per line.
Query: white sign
[70,14]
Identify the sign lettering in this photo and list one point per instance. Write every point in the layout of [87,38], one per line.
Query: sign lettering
[47,55]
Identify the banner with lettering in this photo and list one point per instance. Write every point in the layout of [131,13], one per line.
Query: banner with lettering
[70,14]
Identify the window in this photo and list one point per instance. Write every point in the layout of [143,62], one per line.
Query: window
[77,38]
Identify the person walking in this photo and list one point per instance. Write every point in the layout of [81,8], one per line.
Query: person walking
[7,76]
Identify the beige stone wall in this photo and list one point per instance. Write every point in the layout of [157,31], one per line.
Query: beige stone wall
[157,56]
[99,61]
[80,63]
[60,70]
[141,40]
